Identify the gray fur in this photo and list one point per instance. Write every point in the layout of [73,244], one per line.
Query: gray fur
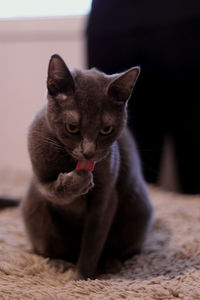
[87,218]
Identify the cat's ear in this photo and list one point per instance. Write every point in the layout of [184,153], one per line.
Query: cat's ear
[121,86]
[59,78]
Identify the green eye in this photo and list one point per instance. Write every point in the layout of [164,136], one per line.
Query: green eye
[73,129]
[107,130]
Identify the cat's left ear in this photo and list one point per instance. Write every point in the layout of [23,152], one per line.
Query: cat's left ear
[59,78]
[122,84]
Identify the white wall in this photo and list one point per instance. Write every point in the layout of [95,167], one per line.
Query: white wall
[25,49]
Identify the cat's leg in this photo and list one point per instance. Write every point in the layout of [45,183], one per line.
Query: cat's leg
[132,222]
[101,209]
[49,235]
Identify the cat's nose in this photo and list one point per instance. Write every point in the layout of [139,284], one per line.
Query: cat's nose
[88,149]
[88,155]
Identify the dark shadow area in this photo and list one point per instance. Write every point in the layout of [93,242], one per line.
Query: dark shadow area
[163,39]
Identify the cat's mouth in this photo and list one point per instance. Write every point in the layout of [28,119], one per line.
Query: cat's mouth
[81,157]
[88,162]
[86,165]
[94,159]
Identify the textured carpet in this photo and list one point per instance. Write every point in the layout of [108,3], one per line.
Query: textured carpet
[168,268]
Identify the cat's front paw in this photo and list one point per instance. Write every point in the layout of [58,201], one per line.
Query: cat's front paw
[75,183]
[78,276]
[60,265]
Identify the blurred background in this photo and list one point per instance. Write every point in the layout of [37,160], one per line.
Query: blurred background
[163,37]
[30,32]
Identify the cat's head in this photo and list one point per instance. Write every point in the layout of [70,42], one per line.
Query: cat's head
[86,110]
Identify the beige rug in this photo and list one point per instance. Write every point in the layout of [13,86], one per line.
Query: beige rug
[169,267]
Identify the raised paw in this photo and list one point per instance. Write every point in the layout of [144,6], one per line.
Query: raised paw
[75,183]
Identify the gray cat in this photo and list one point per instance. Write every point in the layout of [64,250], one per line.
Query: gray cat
[91,218]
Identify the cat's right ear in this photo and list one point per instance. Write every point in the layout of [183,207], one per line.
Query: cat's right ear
[59,78]
[121,86]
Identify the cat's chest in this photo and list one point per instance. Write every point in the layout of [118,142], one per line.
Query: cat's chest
[75,212]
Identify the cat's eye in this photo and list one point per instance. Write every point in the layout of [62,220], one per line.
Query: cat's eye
[106,130]
[73,129]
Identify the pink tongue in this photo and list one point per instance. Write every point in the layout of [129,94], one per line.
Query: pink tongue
[85,165]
